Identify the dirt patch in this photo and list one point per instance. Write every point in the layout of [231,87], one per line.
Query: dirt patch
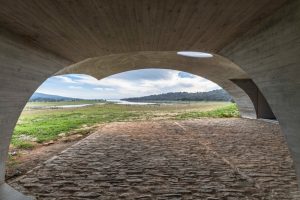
[22,160]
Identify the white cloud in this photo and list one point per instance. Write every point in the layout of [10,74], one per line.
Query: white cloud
[75,87]
[127,84]
[98,89]
[65,79]
[103,89]
[145,87]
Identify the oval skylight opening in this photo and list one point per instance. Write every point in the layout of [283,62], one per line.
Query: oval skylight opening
[195,54]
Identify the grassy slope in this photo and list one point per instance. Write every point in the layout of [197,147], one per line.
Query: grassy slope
[45,125]
[226,111]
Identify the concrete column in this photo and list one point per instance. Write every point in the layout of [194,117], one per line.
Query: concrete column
[23,69]
[270,54]
[263,110]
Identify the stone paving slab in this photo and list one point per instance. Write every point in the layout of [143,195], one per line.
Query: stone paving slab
[200,159]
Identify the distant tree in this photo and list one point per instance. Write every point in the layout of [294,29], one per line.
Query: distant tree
[215,95]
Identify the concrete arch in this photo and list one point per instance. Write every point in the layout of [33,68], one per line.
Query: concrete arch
[39,38]
[217,69]
[269,53]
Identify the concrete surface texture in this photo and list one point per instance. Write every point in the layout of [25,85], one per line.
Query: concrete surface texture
[197,159]
[258,40]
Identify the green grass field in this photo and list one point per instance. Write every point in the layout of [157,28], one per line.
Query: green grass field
[42,125]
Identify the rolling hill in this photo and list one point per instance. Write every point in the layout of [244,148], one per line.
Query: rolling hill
[48,97]
[215,95]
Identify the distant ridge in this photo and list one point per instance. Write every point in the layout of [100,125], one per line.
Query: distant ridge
[49,97]
[215,95]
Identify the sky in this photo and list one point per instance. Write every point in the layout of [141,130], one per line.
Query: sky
[127,84]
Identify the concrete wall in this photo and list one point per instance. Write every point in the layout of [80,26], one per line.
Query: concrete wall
[270,54]
[23,69]
[262,107]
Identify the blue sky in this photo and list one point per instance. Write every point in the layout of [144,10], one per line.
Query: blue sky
[127,84]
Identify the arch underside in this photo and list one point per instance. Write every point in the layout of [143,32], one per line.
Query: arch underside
[250,40]
[217,69]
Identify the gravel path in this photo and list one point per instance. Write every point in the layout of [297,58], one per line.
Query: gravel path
[209,159]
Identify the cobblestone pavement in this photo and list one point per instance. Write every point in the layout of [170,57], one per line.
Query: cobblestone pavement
[198,159]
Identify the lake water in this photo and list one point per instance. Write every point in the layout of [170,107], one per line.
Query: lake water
[71,106]
[122,102]
[58,106]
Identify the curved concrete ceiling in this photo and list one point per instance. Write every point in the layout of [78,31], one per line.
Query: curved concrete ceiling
[77,30]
